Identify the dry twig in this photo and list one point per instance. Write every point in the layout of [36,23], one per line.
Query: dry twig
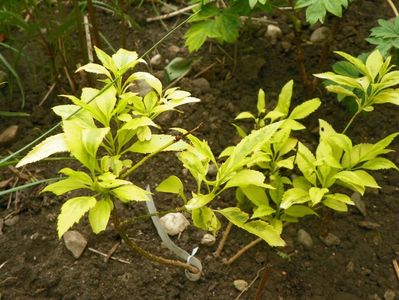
[171,14]
[396,267]
[105,255]
[251,283]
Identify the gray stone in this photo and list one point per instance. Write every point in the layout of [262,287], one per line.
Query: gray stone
[208,239]
[368,224]
[9,134]
[240,284]
[75,242]
[305,239]
[11,221]
[359,203]
[320,35]
[389,295]
[331,240]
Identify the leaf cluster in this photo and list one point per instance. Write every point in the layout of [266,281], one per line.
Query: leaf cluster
[99,129]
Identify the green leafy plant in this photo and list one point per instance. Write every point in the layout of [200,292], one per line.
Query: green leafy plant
[99,129]
[374,84]
[385,36]
[260,170]
[316,10]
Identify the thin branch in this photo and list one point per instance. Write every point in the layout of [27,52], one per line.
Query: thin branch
[252,282]
[172,14]
[105,255]
[133,246]
[242,251]
[223,240]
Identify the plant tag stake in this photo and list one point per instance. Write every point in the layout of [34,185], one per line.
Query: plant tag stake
[190,258]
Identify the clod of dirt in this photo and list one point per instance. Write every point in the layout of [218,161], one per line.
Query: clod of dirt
[208,240]
[331,240]
[174,223]
[320,35]
[1,226]
[200,85]
[273,32]
[305,239]
[156,60]
[212,170]
[359,203]
[240,284]
[8,135]
[75,242]
[368,224]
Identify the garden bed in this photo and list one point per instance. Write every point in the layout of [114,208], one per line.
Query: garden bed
[34,263]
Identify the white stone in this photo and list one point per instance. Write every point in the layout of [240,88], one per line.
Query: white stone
[320,35]
[75,242]
[156,60]
[208,239]
[174,223]
[240,284]
[273,32]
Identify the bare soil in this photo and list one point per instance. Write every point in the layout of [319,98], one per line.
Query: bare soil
[34,264]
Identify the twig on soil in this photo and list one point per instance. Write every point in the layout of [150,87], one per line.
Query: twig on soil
[242,251]
[88,38]
[171,14]
[396,267]
[106,255]
[3,264]
[204,70]
[251,283]
[112,251]
[223,240]
[50,90]
[393,7]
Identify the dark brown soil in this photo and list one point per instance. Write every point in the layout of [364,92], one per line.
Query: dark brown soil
[34,264]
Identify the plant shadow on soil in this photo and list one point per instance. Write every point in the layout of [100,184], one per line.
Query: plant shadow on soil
[34,264]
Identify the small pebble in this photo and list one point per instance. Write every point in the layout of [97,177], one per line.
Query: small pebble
[320,35]
[389,295]
[305,239]
[11,221]
[350,267]
[174,223]
[75,242]
[9,134]
[156,60]
[173,50]
[208,239]
[359,203]
[240,284]
[273,32]
[368,224]
[331,240]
